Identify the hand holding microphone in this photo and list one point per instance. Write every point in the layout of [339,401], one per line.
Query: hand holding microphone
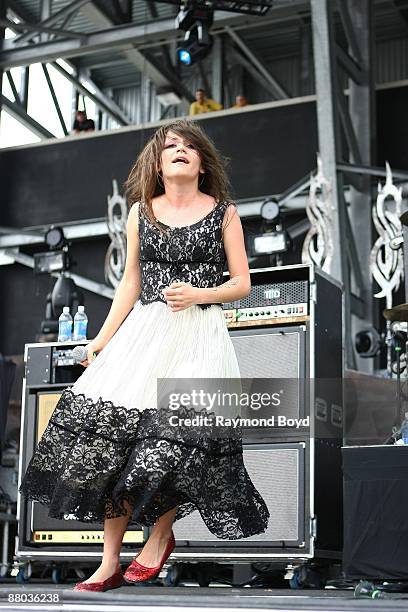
[85,354]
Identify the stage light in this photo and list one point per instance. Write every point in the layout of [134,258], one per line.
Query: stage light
[192,49]
[57,258]
[53,261]
[268,243]
[368,342]
[54,237]
[196,21]
[270,211]
[184,56]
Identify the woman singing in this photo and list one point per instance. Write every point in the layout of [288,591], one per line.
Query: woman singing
[109,453]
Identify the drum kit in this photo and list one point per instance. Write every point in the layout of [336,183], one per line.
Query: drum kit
[398,316]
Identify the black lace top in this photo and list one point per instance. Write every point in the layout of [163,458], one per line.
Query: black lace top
[192,253]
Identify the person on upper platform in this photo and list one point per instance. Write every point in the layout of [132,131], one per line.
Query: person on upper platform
[203,104]
[240,101]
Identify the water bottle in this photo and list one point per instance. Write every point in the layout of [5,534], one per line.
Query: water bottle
[80,324]
[404,429]
[65,325]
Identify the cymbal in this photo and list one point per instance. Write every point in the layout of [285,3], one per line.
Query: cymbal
[396,313]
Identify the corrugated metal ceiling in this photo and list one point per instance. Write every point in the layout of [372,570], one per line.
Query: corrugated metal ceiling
[270,42]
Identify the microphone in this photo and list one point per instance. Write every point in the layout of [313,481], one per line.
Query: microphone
[80,353]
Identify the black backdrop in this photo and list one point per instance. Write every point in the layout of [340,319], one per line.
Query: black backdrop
[69,180]
[270,149]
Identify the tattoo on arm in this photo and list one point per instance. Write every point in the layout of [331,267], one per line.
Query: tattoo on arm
[231,283]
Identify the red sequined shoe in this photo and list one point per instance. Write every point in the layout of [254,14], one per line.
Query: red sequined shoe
[113,582]
[140,573]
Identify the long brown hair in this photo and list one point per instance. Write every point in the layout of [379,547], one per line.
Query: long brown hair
[145,180]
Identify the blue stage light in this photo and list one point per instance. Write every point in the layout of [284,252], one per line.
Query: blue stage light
[184,57]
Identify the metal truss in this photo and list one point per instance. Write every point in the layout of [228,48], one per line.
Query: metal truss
[347,119]
[50,40]
[160,73]
[248,7]
[18,108]
[124,36]
[256,66]
[15,256]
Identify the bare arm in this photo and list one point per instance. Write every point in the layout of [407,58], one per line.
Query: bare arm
[129,287]
[239,284]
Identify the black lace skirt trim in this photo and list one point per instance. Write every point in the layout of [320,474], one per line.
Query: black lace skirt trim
[145,301]
[96,460]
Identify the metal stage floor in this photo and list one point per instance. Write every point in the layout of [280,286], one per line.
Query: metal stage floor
[198,599]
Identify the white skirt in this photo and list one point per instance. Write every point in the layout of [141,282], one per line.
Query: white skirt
[109,446]
[154,343]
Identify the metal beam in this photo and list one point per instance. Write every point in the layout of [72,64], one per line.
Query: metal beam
[55,99]
[67,10]
[19,11]
[64,24]
[118,37]
[105,103]
[24,83]
[352,68]
[257,76]
[38,28]
[361,106]
[218,71]
[347,124]
[18,112]
[330,147]
[349,31]
[13,87]
[46,10]
[299,187]
[372,171]
[10,256]
[279,92]
[153,70]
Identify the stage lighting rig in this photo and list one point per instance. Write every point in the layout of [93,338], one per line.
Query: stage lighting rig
[369,342]
[65,292]
[195,19]
[270,211]
[57,258]
[273,239]
[248,7]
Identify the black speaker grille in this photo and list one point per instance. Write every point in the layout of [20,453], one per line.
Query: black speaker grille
[273,294]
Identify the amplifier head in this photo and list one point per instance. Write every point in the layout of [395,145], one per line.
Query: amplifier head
[273,294]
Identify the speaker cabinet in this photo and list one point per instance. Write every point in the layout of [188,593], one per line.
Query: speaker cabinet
[298,472]
[40,535]
[278,473]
